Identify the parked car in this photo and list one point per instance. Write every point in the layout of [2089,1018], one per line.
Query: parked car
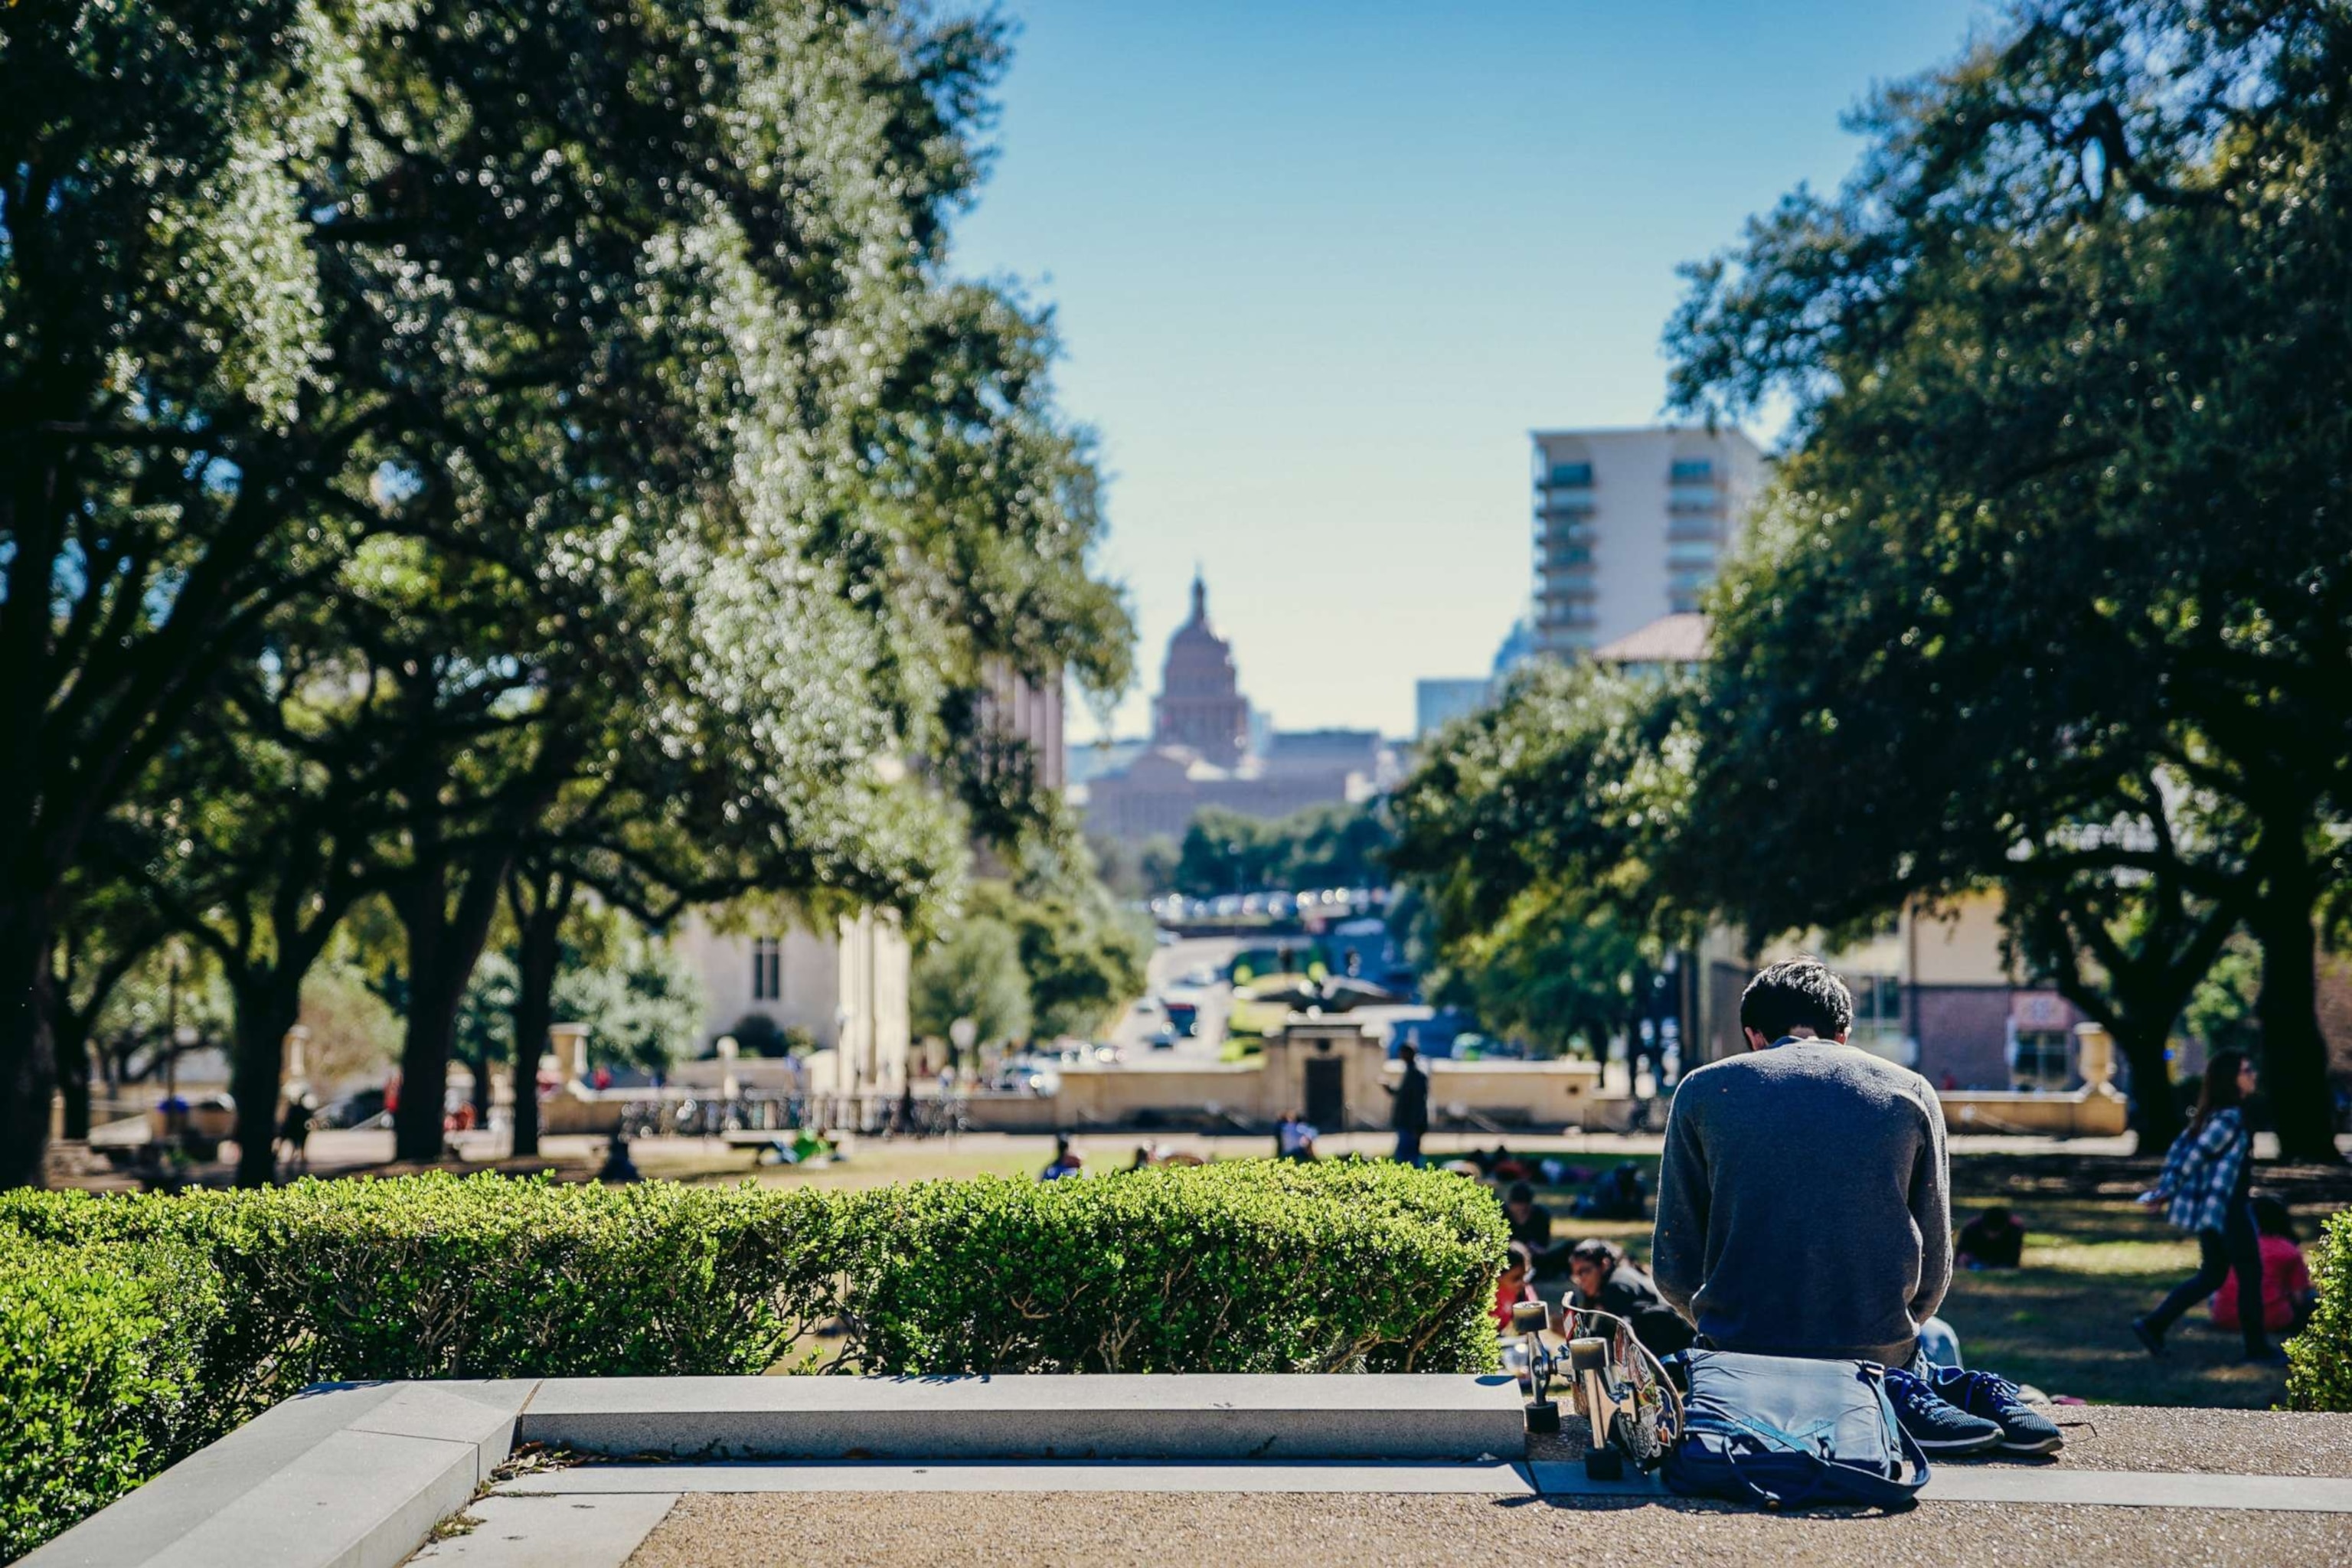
[1163,1039]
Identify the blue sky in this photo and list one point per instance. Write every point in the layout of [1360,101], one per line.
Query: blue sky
[1319,268]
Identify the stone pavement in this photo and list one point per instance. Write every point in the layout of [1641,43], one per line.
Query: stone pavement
[2133,1486]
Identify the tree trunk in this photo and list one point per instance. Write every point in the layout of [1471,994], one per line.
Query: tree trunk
[28,1063]
[417,1132]
[536,959]
[483,1097]
[266,1009]
[2295,1053]
[71,1036]
[2155,1111]
[442,948]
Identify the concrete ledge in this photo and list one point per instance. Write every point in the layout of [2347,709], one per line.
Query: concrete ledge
[342,1476]
[2039,1485]
[1073,1417]
[1500,1478]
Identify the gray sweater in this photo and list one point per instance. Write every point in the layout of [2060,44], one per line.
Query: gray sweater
[1804,1203]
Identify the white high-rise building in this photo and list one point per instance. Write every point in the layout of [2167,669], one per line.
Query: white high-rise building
[1631,525]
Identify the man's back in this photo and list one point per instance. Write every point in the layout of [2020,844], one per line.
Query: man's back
[1803,1206]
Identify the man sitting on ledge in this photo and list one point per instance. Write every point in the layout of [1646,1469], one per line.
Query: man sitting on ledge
[1804,1209]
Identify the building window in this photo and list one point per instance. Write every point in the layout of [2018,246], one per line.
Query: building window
[1688,469]
[1571,475]
[767,969]
[1878,1015]
[2043,1060]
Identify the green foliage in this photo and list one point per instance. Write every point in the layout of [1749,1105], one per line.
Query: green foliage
[2053,584]
[1236,1267]
[2319,1373]
[461,435]
[1339,845]
[102,1354]
[643,1005]
[1530,838]
[974,972]
[485,1276]
[134,1329]
[1083,955]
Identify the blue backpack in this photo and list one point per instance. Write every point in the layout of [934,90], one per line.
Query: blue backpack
[1785,1431]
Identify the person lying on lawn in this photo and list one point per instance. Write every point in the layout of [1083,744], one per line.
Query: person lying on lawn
[1804,1209]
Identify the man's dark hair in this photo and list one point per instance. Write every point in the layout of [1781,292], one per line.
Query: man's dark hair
[1521,1193]
[1796,994]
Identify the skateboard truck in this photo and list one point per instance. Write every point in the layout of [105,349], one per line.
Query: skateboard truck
[1628,1406]
[1528,1321]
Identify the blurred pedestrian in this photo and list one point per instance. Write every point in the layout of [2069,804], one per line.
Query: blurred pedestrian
[1409,1116]
[2204,1189]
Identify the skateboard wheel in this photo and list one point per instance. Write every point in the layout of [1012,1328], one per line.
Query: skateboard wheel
[1587,1355]
[1528,1318]
[1604,1464]
[1543,1416]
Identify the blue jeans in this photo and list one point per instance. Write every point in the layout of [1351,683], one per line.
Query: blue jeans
[1408,1149]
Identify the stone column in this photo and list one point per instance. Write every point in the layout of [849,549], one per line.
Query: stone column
[296,1076]
[570,1042]
[2095,1054]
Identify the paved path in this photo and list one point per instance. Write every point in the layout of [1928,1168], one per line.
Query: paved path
[2134,1486]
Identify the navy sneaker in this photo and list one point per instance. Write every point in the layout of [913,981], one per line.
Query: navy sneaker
[1935,1423]
[2150,1338]
[2024,1429]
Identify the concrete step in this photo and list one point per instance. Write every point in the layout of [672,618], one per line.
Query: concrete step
[1452,1416]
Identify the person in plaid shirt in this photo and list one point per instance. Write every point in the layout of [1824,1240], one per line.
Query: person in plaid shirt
[2204,1189]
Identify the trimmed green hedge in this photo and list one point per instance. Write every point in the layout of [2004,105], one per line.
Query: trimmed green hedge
[198,1312]
[101,1352]
[2319,1360]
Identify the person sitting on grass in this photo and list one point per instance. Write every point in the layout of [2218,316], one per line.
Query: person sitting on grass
[618,1170]
[1516,1284]
[1804,1209]
[1065,1163]
[1295,1136]
[1530,1222]
[1618,1195]
[2288,1299]
[1994,1239]
[1605,1281]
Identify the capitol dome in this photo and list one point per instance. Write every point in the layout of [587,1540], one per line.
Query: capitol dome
[1200,704]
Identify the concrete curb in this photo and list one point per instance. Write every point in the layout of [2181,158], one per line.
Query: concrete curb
[357,1475]
[341,1476]
[1447,1417]
[2039,1485]
[1500,1478]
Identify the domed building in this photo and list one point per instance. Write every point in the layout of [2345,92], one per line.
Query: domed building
[1200,751]
[1200,705]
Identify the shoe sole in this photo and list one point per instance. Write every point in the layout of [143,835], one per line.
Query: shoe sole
[1959,1445]
[2046,1445]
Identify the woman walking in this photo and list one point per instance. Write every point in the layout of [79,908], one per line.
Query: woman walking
[2207,1177]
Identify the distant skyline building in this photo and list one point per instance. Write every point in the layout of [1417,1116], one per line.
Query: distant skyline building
[1437,704]
[1631,525]
[1200,703]
[1207,748]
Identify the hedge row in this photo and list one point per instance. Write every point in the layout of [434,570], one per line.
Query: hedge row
[189,1314]
[2319,1360]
